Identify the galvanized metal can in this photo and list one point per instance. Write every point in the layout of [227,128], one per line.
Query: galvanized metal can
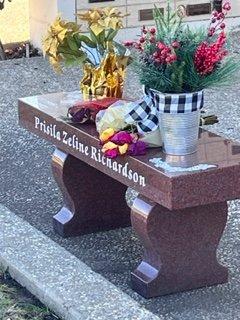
[179,132]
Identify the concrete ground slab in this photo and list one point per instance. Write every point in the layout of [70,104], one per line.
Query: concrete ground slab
[61,281]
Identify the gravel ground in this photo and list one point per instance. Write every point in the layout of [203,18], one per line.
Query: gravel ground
[28,189]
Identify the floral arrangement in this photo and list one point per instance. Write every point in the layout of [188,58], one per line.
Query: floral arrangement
[104,61]
[172,58]
[120,143]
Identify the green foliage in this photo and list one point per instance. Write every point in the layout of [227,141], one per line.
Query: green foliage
[111,35]
[168,24]
[77,48]
[71,51]
[81,38]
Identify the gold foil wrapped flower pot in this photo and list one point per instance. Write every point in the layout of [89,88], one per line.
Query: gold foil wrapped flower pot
[106,80]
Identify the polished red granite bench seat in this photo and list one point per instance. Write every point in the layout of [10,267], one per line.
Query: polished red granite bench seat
[179,215]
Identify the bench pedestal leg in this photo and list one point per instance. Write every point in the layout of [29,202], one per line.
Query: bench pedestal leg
[92,200]
[180,247]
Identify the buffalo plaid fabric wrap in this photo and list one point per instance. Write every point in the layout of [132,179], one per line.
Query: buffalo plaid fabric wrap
[145,112]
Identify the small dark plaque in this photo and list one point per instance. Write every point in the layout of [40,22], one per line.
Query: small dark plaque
[147,14]
[198,9]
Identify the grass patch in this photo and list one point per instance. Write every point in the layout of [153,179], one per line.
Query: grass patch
[16,303]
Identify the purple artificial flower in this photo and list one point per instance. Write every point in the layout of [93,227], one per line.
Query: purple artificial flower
[138,148]
[121,138]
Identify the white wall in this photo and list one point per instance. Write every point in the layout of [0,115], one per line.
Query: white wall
[134,32]
[43,12]
[67,8]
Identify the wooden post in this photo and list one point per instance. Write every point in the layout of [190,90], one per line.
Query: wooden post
[2,53]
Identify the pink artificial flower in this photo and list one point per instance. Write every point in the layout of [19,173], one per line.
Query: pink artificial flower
[138,148]
[111,153]
[121,138]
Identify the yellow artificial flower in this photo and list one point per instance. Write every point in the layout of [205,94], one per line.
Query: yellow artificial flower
[105,135]
[100,19]
[109,146]
[91,16]
[113,18]
[123,149]
[56,34]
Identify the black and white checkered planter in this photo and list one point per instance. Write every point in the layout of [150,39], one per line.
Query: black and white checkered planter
[177,116]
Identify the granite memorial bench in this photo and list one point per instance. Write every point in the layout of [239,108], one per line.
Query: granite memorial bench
[180,212]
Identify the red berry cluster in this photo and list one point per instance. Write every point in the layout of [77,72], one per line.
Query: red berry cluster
[147,36]
[128,43]
[164,53]
[208,55]
[217,20]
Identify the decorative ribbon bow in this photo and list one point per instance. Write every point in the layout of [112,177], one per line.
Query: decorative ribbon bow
[146,111]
